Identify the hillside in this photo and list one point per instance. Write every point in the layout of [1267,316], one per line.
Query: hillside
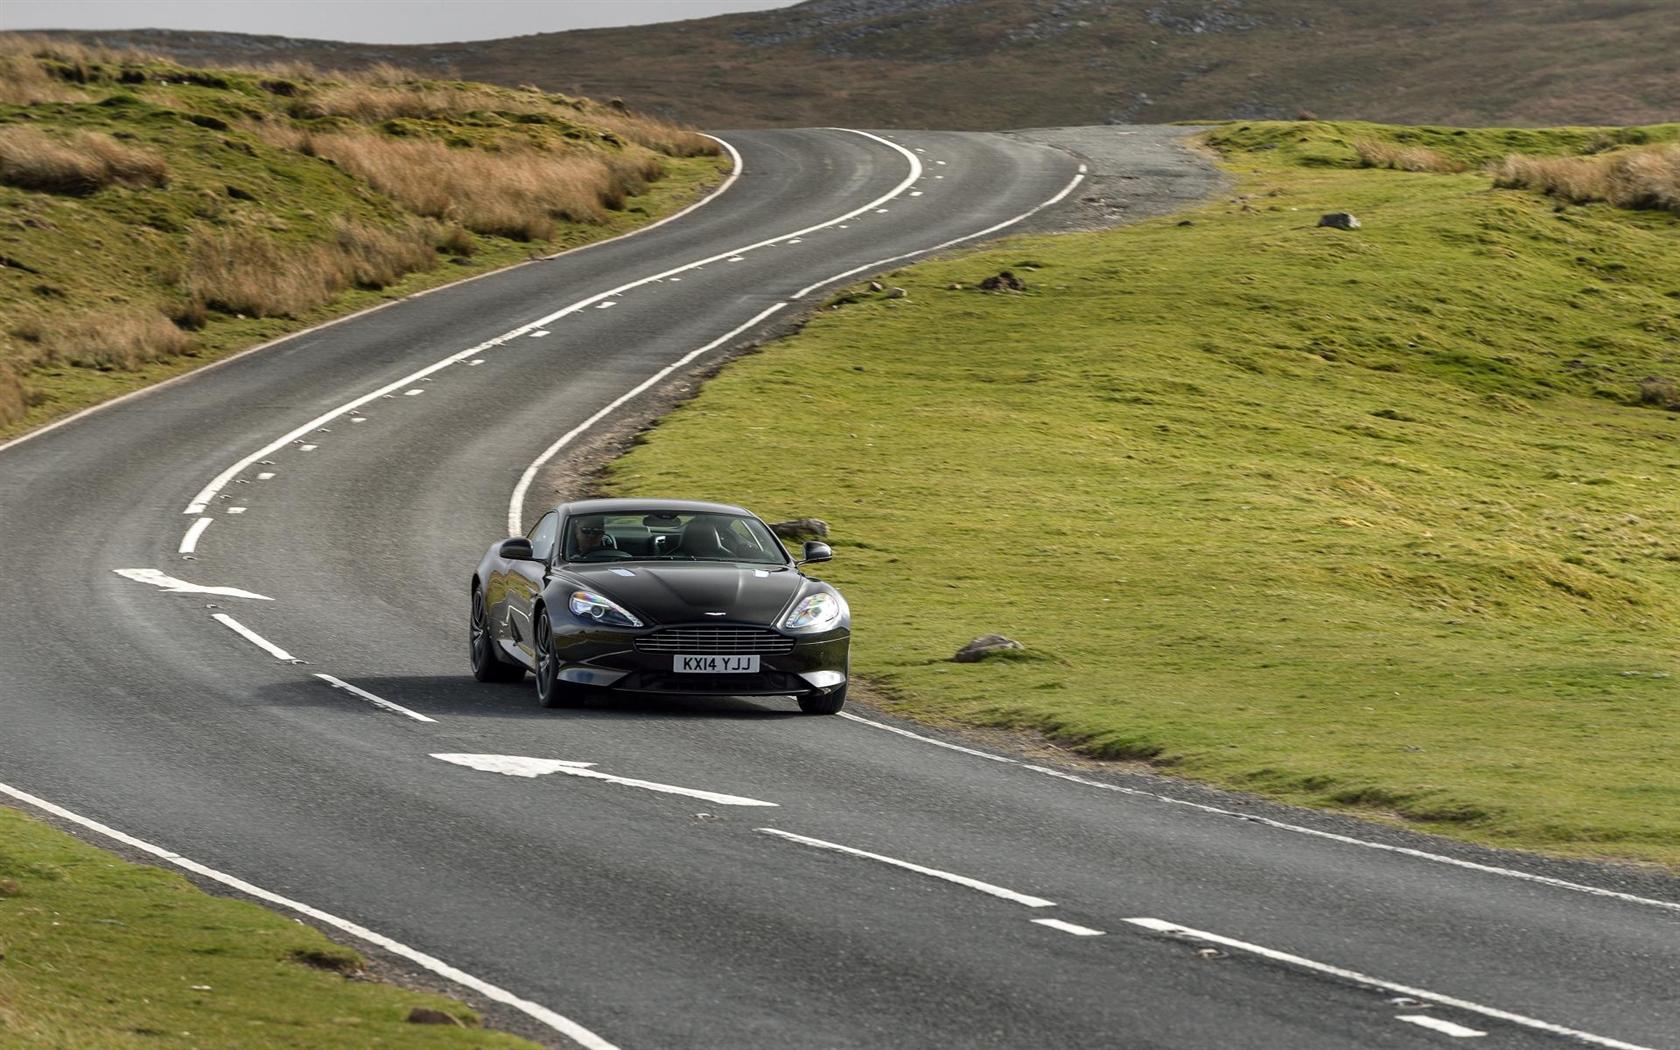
[157,215]
[1380,518]
[1016,63]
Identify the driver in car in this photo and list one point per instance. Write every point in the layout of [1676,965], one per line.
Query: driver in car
[588,535]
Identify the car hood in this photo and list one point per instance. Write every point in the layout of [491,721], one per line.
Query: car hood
[685,592]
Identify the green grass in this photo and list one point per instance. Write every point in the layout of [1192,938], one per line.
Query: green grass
[66,258]
[95,951]
[1369,519]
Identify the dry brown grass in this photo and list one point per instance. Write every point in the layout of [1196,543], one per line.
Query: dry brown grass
[244,273]
[24,81]
[82,164]
[108,340]
[1374,153]
[676,140]
[514,193]
[1644,178]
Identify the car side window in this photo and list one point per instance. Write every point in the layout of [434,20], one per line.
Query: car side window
[542,536]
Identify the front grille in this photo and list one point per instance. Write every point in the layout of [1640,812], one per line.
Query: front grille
[715,641]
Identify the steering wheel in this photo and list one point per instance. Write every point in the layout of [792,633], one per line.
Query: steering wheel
[606,554]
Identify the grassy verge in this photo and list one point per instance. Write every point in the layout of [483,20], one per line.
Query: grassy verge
[154,217]
[95,951]
[1381,519]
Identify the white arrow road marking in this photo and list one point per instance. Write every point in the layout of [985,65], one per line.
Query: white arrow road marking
[1458,1031]
[1185,933]
[171,585]
[516,766]
[960,880]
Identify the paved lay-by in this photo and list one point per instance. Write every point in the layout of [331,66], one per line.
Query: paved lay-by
[271,689]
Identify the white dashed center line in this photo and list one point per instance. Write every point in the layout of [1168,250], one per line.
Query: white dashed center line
[236,510]
[1068,927]
[377,701]
[254,638]
[961,880]
[265,475]
[412,393]
[539,335]
[1457,1031]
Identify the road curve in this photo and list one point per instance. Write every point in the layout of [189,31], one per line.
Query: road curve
[896,891]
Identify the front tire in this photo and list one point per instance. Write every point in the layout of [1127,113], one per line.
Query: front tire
[824,703]
[552,690]
[488,665]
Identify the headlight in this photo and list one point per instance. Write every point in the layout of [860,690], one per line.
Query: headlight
[587,605]
[816,612]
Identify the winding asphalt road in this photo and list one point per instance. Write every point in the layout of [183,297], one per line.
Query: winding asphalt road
[900,890]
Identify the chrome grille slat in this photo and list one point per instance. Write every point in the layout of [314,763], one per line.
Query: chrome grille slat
[715,641]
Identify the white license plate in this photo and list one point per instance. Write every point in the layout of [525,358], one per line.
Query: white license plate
[717,664]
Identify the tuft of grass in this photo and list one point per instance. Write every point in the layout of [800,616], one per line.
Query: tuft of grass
[1645,177]
[79,165]
[1369,520]
[100,952]
[260,277]
[1374,153]
[519,194]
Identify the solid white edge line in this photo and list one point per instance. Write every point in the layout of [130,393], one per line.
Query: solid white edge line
[729,181]
[377,701]
[961,880]
[1069,927]
[928,739]
[1172,929]
[565,1026]
[189,542]
[253,637]
[208,493]
[1457,1031]
[516,502]
[1349,840]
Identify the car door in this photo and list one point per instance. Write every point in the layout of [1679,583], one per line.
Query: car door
[525,581]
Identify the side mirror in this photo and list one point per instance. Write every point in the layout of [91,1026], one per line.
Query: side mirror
[815,551]
[516,549]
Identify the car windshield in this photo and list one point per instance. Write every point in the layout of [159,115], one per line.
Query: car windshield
[667,536]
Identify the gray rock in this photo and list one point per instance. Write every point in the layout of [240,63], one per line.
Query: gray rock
[1339,220]
[984,646]
[876,286]
[801,529]
[896,293]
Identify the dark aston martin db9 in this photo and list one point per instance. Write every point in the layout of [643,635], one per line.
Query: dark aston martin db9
[659,596]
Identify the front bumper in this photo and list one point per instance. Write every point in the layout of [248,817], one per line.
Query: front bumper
[609,658]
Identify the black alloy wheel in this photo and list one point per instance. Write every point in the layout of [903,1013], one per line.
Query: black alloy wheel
[487,663]
[552,690]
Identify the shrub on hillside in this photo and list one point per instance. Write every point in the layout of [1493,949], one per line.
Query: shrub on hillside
[82,164]
[1374,153]
[107,340]
[1647,177]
